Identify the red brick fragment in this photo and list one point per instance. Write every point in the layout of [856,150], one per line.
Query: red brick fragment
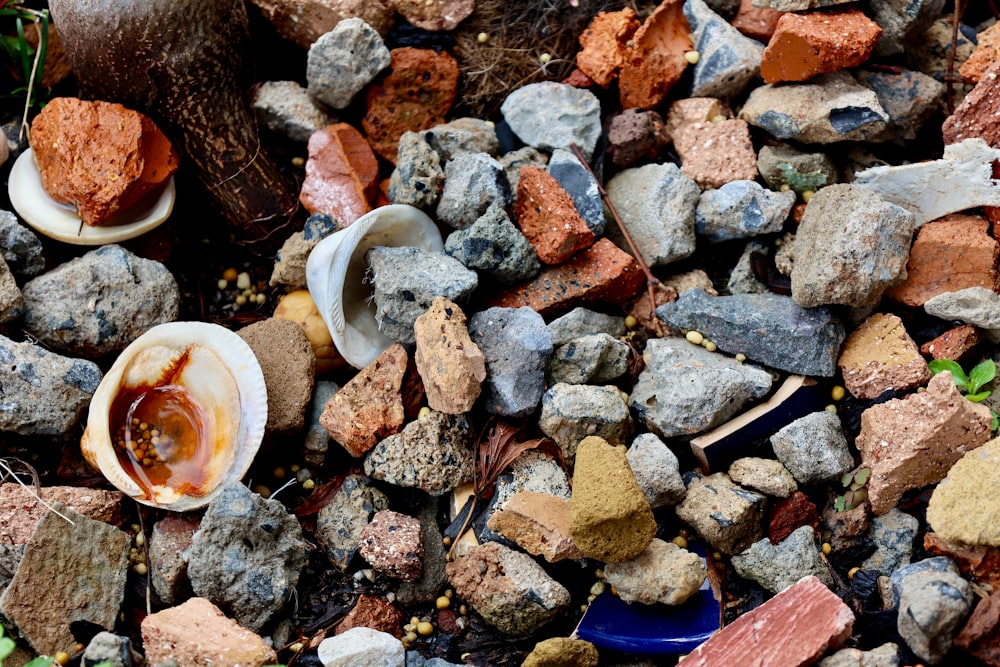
[578,79]
[713,154]
[414,95]
[789,514]
[792,629]
[341,174]
[987,52]
[548,217]
[603,273]
[978,115]
[371,611]
[604,44]
[655,60]
[805,45]
[953,344]
[756,22]
[20,510]
[980,637]
[979,563]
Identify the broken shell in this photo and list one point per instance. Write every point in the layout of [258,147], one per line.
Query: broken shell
[61,222]
[179,415]
[336,275]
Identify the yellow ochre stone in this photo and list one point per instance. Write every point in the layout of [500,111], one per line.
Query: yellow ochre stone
[610,518]
[562,652]
[965,506]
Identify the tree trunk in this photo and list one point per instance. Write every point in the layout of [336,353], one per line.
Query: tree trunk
[179,61]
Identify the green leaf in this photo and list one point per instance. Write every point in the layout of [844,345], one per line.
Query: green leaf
[996,420]
[847,479]
[6,647]
[40,661]
[957,374]
[861,476]
[981,374]
[839,504]
[976,398]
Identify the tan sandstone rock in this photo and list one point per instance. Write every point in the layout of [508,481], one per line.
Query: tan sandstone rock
[451,366]
[538,523]
[965,506]
[880,355]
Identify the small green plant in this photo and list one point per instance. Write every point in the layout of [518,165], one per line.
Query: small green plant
[856,493]
[6,645]
[972,384]
[28,61]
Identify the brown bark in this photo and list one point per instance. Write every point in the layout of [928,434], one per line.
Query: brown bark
[179,62]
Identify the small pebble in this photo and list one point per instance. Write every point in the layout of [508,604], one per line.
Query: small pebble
[694,337]
[838,393]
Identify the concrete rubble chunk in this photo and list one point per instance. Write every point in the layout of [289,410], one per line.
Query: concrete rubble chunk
[973,305]
[473,182]
[961,179]
[571,412]
[548,218]
[830,108]
[724,514]
[581,322]
[20,247]
[880,355]
[418,177]
[392,544]
[768,328]
[686,389]
[289,364]
[886,655]
[663,573]
[940,427]
[800,170]
[198,633]
[560,651]
[581,185]
[893,534]
[286,108]
[741,209]
[902,22]
[472,135]
[343,61]
[433,454]
[550,115]
[965,506]
[813,448]
[590,359]
[793,629]
[778,566]
[934,600]
[910,98]
[340,522]
[361,647]
[764,475]
[495,247]
[168,546]
[850,247]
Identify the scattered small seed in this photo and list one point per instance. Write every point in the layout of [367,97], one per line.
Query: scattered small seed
[140,540]
[852,572]
[443,602]
[230,274]
[597,588]
[680,541]
[298,161]
[694,337]
[309,484]
[692,57]
[630,322]
[807,195]
[827,548]
[446,541]
[296,647]
[710,346]
[424,411]
[785,187]
[449,593]
[223,283]
[545,58]
[831,408]
[718,119]
[482,38]
[409,637]
[243,281]
[740,357]
[838,393]
[424,628]
[140,568]
[61,657]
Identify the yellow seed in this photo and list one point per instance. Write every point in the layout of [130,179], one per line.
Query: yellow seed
[140,540]
[241,300]
[61,657]
[463,610]
[694,337]
[852,572]
[482,38]
[785,187]
[831,408]
[443,602]
[223,283]
[583,608]
[260,298]
[740,357]
[414,620]
[827,548]
[409,627]
[279,473]
[597,588]
[710,346]
[680,541]
[243,281]
[692,57]
[716,555]
[838,393]
[409,637]
[296,647]
[309,484]
[140,568]
[545,58]
[807,195]
[599,573]
[298,161]
[449,593]
[424,628]
[446,541]
[630,322]
[718,119]
[424,411]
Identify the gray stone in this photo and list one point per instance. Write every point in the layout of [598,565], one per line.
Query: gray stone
[97,304]
[663,573]
[517,346]
[508,588]
[418,177]
[471,135]
[287,109]
[933,604]
[656,470]
[729,60]
[742,279]
[247,556]
[901,21]
[472,182]
[345,60]
[910,98]
[740,209]
[893,534]
[514,161]
[973,305]
[797,5]
[407,279]
[764,475]
[725,515]
[581,185]
[433,454]
[782,165]
[850,247]
[361,647]
[571,412]
[495,246]
[829,108]
[69,572]
[550,115]
[432,579]
[10,559]
[414,659]
[581,322]
[886,655]
[767,328]
[589,359]
[20,247]
[778,566]
[43,393]
[813,448]
[316,441]
[167,557]
[110,650]
[656,202]
[290,262]
[685,389]
[11,301]
[340,522]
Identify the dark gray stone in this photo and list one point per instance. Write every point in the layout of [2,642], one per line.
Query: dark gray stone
[418,177]
[472,182]
[581,186]
[495,246]
[934,602]
[740,209]
[433,454]
[572,412]
[813,448]
[340,522]
[550,115]
[767,328]
[343,61]
[317,440]
[778,566]
[407,279]
[111,650]
[287,109]
[685,389]
[517,346]
[729,60]
[893,534]
[581,322]
[11,301]
[97,304]
[910,98]
[902,21]
[43,393]
[247,556]
[21,248]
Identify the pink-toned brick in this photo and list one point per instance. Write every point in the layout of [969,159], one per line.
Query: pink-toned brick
[953,344]
[20,510]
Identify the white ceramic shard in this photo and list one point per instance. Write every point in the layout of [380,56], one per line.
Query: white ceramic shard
[962,179]
[61,222]
[179,415]
[336,275]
